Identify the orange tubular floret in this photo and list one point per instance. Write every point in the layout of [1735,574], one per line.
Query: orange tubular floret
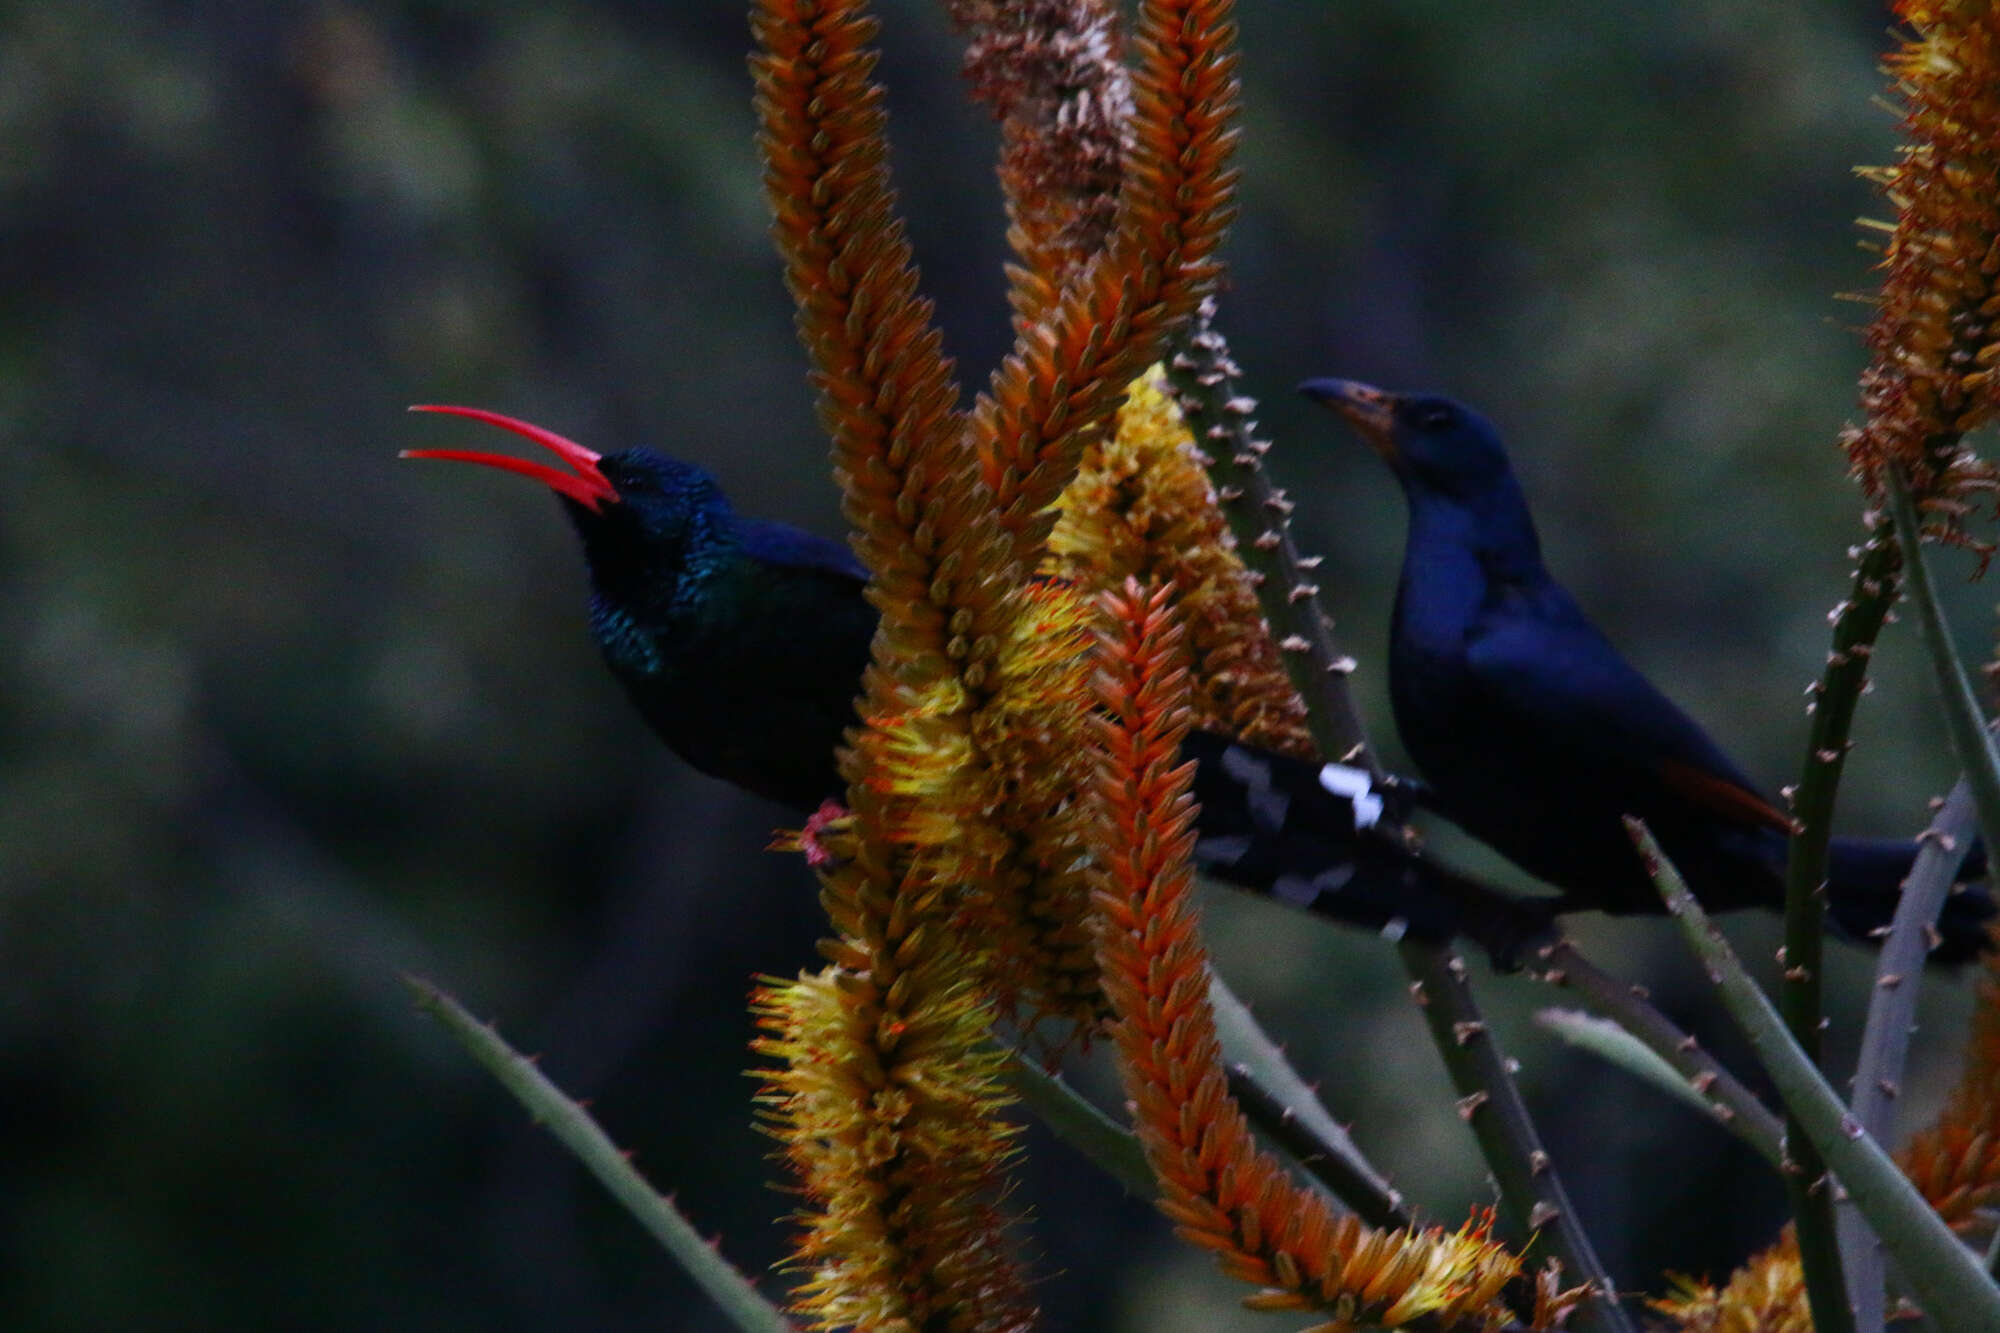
[952,596]
[886,392]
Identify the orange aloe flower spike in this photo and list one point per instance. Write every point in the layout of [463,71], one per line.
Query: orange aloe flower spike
[886,1097]
[1935,338]
[1066,374]
[1224,1193]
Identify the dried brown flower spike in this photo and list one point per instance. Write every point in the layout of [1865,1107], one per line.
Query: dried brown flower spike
[1051,72]
[1936,333]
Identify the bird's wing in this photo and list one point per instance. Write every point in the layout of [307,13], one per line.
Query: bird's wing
[1723,796]
[793,548]
[812,598]
[1556,683]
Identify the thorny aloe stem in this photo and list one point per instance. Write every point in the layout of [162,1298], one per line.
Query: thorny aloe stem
[1885,1040]
[1219,413]
[1971,742]
[1490,1103]
[1284,1106]
[1977,797]
[1612,1044]
[1857,623]
[1947,1279]
[1220,416]
[1697,1072]
[1071,1118]
[1270,1099]
[1934,372]
[1735,1107]
[1356,1188]
[746,1307]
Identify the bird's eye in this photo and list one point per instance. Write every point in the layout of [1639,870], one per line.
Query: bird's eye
[1433,416]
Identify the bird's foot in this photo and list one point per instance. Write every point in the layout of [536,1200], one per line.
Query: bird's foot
[813,838]
[1514,931]
[824,840]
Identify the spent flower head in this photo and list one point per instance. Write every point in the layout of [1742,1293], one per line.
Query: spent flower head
[1935,338]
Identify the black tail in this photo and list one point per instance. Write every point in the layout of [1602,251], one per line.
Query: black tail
[1865,881]
[1269,824]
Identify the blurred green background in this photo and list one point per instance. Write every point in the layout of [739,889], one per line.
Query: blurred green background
[280,717]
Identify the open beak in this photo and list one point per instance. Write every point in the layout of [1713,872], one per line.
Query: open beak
[1371,411]
[584,483]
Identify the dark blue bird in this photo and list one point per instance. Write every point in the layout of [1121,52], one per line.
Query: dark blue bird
[742,643]
[1537,737]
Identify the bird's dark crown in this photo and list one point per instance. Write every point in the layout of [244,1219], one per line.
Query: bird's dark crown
[1453,470]
[1445,448]
[1437,447]
[670,523]
[655,487]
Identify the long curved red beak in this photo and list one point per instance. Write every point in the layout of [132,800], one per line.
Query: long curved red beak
[584,484]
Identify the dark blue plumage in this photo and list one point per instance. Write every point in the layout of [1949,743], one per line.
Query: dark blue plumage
[1536,735]
[743,643]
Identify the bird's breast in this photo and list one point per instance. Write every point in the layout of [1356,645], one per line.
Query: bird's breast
[632,649]
[1436,606]
[1428,695]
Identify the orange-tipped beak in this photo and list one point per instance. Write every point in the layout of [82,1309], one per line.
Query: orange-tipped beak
[585,484]
[1371,411]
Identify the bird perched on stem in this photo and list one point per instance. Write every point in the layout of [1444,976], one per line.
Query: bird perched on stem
[1537,737]
[742,643]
